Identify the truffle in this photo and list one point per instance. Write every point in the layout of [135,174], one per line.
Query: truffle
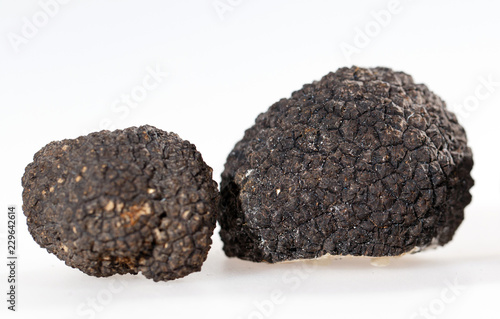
[127,201]
[364,162]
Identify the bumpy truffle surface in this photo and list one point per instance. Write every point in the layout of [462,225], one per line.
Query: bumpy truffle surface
[363,162]
[127,201]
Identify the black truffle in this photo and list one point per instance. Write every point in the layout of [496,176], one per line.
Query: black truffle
[363,162]
[127,201]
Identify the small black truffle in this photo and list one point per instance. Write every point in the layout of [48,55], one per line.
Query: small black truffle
[127,201]
[363,162]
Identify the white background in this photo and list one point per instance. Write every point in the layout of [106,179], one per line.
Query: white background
[223,69]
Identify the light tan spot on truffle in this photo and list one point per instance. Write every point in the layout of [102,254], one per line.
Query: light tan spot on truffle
[78,178]
[133,214]
[186,215]
[119,206]
[109,206]
[130,262]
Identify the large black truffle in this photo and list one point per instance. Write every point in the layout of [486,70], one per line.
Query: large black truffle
[363,162]
[127,201]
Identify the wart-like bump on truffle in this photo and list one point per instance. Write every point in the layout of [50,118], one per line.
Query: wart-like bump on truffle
[363,162]
[116,202]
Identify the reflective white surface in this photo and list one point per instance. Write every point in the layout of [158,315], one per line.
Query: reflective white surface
[101,64]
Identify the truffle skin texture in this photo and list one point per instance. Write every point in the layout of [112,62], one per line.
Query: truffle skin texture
[127,201]
[363,162]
